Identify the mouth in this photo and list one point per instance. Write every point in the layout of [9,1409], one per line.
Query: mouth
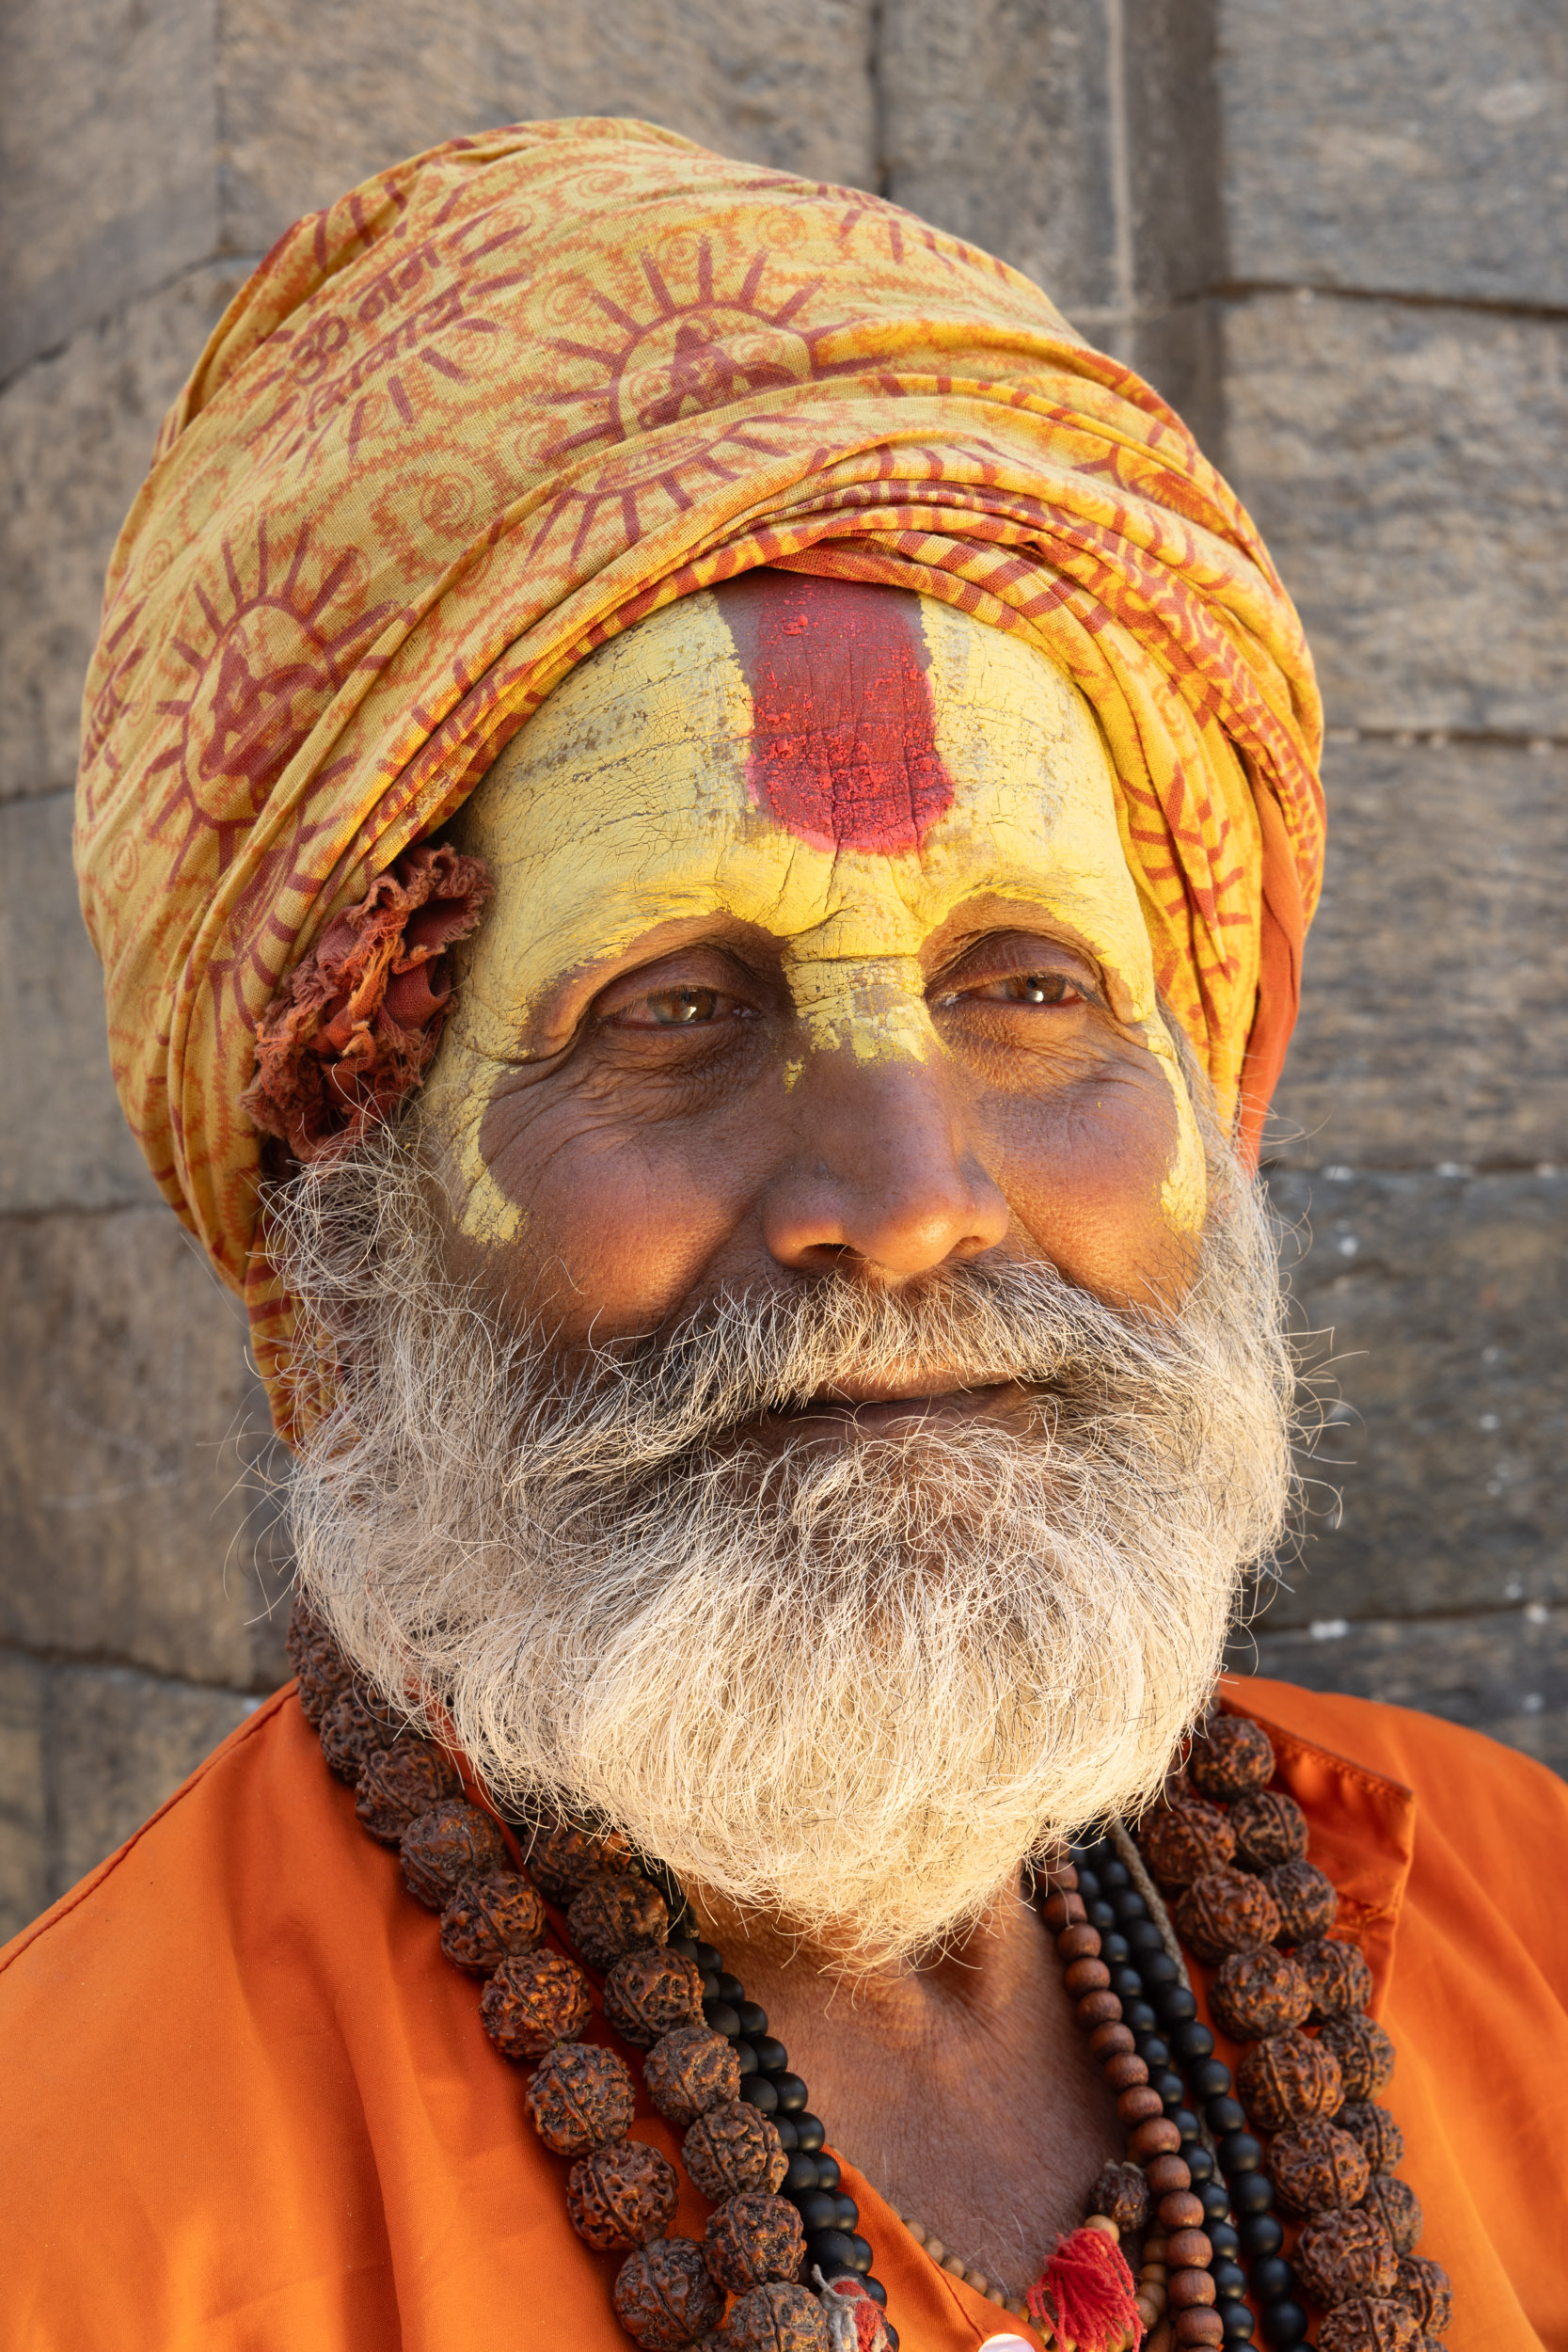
[868,1408]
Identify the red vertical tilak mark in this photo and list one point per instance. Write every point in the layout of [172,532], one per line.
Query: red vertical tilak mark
[844,750]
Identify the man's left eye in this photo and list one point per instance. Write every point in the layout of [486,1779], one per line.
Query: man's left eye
[1021,988]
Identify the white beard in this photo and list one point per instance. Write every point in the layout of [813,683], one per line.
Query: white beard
[851,1685]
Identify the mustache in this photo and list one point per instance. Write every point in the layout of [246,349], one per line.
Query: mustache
[759,1353]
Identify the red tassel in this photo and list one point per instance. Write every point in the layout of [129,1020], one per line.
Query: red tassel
[1085,2293]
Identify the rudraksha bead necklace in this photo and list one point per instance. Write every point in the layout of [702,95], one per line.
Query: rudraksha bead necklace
[1230,1853]
[753,2147]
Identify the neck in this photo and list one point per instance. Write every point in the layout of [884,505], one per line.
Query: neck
[959,2085]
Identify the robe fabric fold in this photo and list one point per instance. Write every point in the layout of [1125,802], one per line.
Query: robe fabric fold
[495,406]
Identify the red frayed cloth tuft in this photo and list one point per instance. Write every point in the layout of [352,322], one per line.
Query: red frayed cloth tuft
[1085,2293]
[846,2298]
[355,1024]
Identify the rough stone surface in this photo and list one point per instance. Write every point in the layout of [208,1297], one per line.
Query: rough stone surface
[1026,79]
[123,1743]
[1404,464]
[24,1811]
[1438,1482]
[63,1144]
[126,1522]
[76,432]
[1440,925]
[109,161]
[1416,146]
[1504,1672]
[314,99]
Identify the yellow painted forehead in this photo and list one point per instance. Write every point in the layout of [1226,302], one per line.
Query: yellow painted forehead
[845,768]
[682,771]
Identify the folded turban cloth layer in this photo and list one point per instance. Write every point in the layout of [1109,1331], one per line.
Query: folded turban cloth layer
[497,405]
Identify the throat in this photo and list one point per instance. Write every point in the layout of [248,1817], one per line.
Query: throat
[961,2089]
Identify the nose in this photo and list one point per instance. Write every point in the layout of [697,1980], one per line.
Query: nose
[882,1172]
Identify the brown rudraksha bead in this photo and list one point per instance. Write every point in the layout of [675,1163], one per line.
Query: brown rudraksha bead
[1318,2169]
[1236,1756]
[453,1841]
[1395,2204]
[753,2239]
[1424,2287]
[691,2071]
[1369,2323]
[1196,2327]
[615,1911]
[1338,1975]
[650,1993]
[1375,2129]
[320,1664]
[622,2195]
[486,1919]
[1226,1910]
[532,2002]
[353,1726]
[1270,1827]
[1365,2053]
[398,1783]
[1306,1900]
[1183,1841]
[1259,1993]
[663,2296]
[560,1859]
[580,2097]
[732,2151]
[777,2319]
[1288,2078]
[1340,2255]
[1121,2194]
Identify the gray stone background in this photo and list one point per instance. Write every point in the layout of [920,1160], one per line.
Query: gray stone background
[1335,234]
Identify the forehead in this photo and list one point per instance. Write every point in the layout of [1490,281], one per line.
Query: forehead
[802,753]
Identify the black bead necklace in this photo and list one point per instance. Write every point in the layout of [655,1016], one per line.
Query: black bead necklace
[1179,2050]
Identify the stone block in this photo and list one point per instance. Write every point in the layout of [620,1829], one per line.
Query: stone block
[108,160]
[24,1881]
[1504,1672]
[316,98]
[1405,466]
[122,1742]
[1434,1012]
[129,1521]
[1172,148]
[996,124]
[63,1143]
[1420,146]
[1437,1303]
[76,432]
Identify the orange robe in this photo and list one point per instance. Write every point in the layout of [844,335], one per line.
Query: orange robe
[250,2108]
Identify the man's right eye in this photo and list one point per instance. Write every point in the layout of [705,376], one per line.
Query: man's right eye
[675,1008]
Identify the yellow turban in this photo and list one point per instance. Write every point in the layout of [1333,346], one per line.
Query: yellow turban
[500,402]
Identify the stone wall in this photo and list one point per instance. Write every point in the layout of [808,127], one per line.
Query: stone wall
[1333,232]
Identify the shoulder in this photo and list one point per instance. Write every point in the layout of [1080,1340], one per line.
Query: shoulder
[1469,1777]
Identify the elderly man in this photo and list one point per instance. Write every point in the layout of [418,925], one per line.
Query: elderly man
[701,824]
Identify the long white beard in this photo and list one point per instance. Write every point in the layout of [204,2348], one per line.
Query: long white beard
[853,1685]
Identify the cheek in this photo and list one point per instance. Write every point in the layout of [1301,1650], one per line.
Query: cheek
[1085,1173]
[618,1222]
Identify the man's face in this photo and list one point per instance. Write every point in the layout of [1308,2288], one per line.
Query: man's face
[810,1047]
[813,948]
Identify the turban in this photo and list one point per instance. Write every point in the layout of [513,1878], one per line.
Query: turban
[500,403]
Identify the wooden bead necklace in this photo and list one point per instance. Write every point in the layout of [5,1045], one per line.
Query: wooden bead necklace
[751,2146]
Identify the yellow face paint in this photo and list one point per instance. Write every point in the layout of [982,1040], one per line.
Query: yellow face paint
[663,782]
